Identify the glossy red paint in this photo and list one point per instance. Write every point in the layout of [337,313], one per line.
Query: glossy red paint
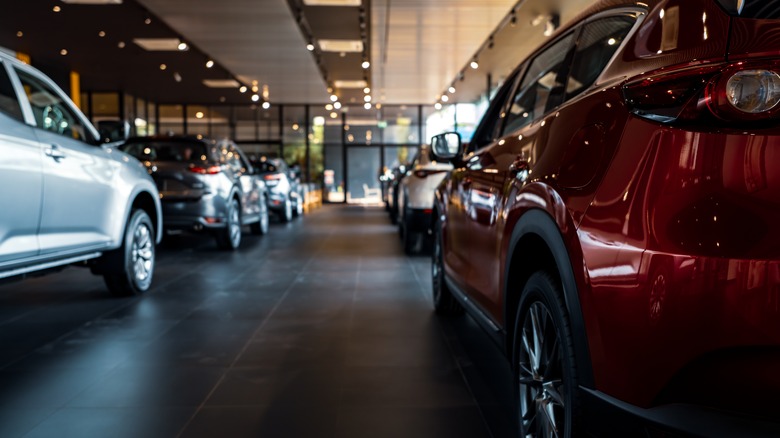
[669,219]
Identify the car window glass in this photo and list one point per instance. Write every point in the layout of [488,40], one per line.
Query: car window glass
[265,166]
[9,102]
[540,81]
[232,158]
[489,127]
[597,43]
[172,152]
[51,111]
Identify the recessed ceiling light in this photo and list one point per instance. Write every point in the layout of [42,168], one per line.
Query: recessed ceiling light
[56,9]
[176,77]
[350,84]
[63,52]
[121,44]
[366,90]
[266,105]
[310,47]
[328,107]
[102,34]
[437,106]
[221,83]
[367,106]
[451,89]
[474,64]
[333,98]
[295,126]
[148,21]
[337,105]
[366,64]
[199,115]
[255,97]
[209,63]
[159,44]
[182,46]
[347,46]
[367,98]
[445,98]
[163,66]
[20,34]
[333,115]
[242,89]
[332,2]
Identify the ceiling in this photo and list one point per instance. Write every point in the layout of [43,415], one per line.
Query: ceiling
[417,48]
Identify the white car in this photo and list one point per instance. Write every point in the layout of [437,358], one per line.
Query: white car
[415,199]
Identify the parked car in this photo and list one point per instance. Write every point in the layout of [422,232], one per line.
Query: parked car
[398,173]
[285,194]
[69,199]
[613,222]
[205,185]
[415,199]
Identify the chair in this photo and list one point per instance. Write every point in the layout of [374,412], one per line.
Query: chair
[371,193]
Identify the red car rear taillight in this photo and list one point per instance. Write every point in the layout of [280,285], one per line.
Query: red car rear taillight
[210,170]
[738,94]
[745,94]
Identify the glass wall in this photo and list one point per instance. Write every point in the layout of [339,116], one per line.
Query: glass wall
[220,122]
[171,119]
[319,139]
[363,165]
[333,173]
[294,137]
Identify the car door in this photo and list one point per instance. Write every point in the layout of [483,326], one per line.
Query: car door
[78,174]
[461,264]
[250,198]
[516,148]
[21,178]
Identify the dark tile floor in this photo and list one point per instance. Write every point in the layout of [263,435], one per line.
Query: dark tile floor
[320,329]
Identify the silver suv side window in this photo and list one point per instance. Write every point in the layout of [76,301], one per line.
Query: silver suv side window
[540,82]
[9,101]
[51,111]
[597,43]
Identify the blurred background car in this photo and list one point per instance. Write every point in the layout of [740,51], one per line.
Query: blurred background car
[205,185]
[68,198]
[415,199]
[285,197]
[397,174]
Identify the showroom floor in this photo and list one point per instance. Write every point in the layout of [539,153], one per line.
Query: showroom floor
[320,329]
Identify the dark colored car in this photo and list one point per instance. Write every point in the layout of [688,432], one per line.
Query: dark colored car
[205,185]
[613,223]
[285,197]
[398,174]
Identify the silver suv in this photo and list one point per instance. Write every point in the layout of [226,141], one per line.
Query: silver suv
[68,199]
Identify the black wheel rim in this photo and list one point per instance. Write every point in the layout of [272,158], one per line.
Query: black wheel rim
[234,225]
[142,253]
[541,382]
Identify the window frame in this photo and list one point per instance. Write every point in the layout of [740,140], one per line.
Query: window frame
[29,115]
[14,86]
[563,73]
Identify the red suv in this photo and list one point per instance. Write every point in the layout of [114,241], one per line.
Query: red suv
[611,222]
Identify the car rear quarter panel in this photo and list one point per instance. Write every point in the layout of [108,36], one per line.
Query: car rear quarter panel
[132,181]
[682,253]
